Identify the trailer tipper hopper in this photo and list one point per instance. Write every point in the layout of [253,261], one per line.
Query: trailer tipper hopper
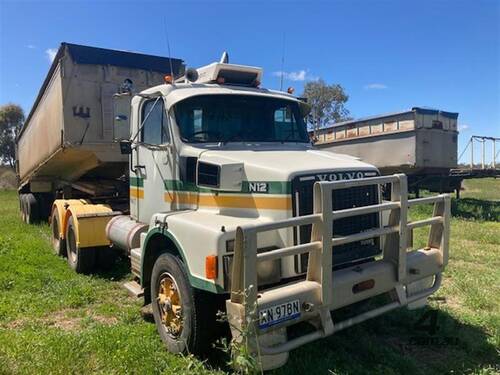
[420,142]
[231,209]
[68,145]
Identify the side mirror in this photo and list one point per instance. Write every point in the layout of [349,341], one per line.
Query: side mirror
[125,147]
[121,116]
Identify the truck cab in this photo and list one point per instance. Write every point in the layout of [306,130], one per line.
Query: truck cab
[232,209]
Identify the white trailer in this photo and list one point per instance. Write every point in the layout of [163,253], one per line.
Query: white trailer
[421,142]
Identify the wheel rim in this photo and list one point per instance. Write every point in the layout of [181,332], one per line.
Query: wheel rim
[170,305]
[72,245]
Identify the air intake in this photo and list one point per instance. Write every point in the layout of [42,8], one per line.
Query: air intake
[208,175]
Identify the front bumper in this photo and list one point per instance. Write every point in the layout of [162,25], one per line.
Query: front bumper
[402,273]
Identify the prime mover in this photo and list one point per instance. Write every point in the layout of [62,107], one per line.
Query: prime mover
[210,185]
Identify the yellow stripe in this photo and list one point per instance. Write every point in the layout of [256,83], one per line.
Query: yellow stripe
[136,193]
[229,201]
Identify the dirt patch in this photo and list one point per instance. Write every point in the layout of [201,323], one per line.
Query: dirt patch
[70,320]
[64,320]
[67,320]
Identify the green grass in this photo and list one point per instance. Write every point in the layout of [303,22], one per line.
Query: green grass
[485,188]
[54,321]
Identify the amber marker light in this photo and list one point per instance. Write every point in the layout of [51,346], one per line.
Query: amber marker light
[290,90]
[168,79]
[211,267]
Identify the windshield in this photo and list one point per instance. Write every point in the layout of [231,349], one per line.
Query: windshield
[239,118]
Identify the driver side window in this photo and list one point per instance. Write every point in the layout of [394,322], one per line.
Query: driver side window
[154,123]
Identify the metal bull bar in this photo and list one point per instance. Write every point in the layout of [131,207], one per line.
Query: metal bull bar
[394,271]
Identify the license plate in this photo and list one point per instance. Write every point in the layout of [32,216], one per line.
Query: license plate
[279,313]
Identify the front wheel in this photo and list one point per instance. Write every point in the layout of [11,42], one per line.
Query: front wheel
[177,308]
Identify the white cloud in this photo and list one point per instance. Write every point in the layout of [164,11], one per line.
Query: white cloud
[375,86]
[462,127]
[31,46]
[299,75]
[51,53]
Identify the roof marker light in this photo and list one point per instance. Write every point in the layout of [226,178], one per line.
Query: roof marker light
[168,79]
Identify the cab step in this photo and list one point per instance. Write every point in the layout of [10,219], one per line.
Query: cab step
[134,289]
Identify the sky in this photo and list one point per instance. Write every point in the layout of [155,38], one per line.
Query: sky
[388,55]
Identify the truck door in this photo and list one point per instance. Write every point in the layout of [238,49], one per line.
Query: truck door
[152,162]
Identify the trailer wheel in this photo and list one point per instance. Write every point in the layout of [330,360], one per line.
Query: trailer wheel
[22,206]
[32,209]
[182,320]
[58,243]
[81,260]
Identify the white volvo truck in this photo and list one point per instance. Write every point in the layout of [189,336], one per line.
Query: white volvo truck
[230,208]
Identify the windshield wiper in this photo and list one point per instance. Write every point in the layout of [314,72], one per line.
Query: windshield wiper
[231,138]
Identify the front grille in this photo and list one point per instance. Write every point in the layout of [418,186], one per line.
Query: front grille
[302,190]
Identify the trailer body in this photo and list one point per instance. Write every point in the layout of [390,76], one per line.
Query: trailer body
[70,133]
[421,142]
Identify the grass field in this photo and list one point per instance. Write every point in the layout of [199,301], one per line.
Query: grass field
[53,321]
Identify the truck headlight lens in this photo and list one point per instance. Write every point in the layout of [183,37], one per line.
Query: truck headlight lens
[268,272]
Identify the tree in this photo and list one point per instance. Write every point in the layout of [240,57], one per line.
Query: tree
[327,103]
[11,121]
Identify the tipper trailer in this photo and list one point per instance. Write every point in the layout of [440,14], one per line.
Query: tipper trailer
[230,208]
[420,142]
[68,145]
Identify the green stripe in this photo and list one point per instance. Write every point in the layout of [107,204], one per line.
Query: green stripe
[178,185]
[273,187]
[137,181]
[196,282]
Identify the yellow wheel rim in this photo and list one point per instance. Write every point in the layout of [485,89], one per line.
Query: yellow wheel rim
[170,306]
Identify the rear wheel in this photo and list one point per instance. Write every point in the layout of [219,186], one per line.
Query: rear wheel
[32,209]
[58,243]
[182,315]
[82,260]
[22,206]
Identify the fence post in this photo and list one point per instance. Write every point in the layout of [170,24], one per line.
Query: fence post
[483,141]
[472,152]
[494,154]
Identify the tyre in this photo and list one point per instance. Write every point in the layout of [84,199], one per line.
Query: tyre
[58,243]
[80,260]
[183,316]
[32,209]
[22,206]
[45,201]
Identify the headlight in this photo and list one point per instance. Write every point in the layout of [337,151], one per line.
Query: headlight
[268,271]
